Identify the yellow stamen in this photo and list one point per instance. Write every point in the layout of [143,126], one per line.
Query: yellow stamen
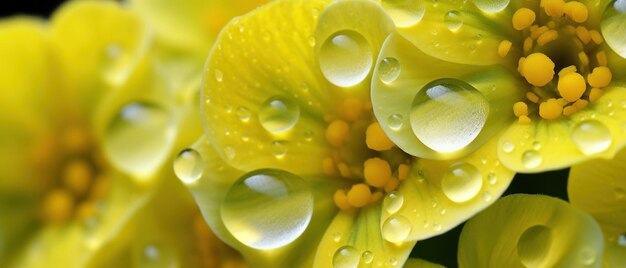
[569,110]
[577,11]
[351,109]
[596,37]
[583,34]
[581,104]
[376,139]
[601,58]
[600,77]
[547,37]
[532,97]
[554,8]
[58,205]
[504,47]
[520,108]
[571,86]
[376,196]
[523,18]
[341,200]
[77,176]
[536,32]
[376,172]
[391,185]
[584,59]
[550,109]
[403,171]
[344,170]
[359,195]
[568,69]
[528,44]
[520,65]
[328,166]
[538,69]
[86,210]
[595,94]
[76,139]
[524,119]
[100,187]
[337,132]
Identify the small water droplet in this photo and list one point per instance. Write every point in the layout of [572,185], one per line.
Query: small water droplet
[113,51]
[487,196]
[393,202]
[491,6]
[448,114]
[230,152]
[188,166]
[219,75]
[531,159]
[443,211]
[311,40]
[405,13]
[396,228]
[533,246]
[588,256]
[367,257]
[336,236]
[453,20]
[461,182]
[389,70]
[151,252]
[393,261]
[591,137]
[437,227]
[508,147]
[267,208]
[492,178]
[279,114]
[279,148]
[243,113]
[395,122]
[621,240]
[345,58]
[346,257]
[537,145]
[308,135]
[620,193]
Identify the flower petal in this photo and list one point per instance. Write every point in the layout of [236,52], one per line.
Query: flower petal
[436,201]
[597,131]
[419,263]
[394,99]
[352,234]
[531,230]
[615,252]
[612,25]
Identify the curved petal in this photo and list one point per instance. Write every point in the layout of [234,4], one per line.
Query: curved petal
[259,78]
[352,234]
[435,201]
[614,252]
[597,131]
[210,191]
[531,230]
[612,25]
[419,263]
[393,99]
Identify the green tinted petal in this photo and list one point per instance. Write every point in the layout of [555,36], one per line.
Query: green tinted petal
[597,131]
[393,99]
[612,25]
[614,252]
[210,191]
[419,263]
[531,231]
[435,201]
[352,234]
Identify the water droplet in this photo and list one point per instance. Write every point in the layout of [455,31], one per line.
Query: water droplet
[461,182]
[336,236]
[492,178]
[531,159]
[279,114]
[113,51]
[591,137]
[367,257]
[219,75]
[508,147]
[311,40]
[267,208]
[308,135]
[389,70]
[533,246]
[243,113]
[395,122]
[139,137]
[453,20]
[443,211]
[437,226]
[151,252]
[393,261]
[621,240]
[487,196]
[188,166]
[346,257]
[405,13]
[230,152]
[279,148]
[393,202]
[537,146]
[448,114]
[612,26]
[491,6]
[588,255]
[396,228]
[345,58]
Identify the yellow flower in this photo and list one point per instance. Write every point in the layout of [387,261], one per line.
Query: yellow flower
[543,78]
[291,137]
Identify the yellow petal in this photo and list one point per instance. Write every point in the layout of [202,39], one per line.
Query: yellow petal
[494,90]
[531,231]
[614,252]
[435,201]
[597,131]
[419,263]
[356,238]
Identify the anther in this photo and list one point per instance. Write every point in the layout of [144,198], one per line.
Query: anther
[547,37]
[359,195]
[601,58]
[337,132]
[571,86]
[351,109]
[376,172]
[523,18]
[58,205]
[341,200]
[577,11]
[376,139]
[538,69]
[504,47]
[550,109]
[600,77]
[595,94]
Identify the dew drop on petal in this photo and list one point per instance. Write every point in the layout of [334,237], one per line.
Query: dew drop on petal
[336,236]
[279,114]
[448,114]
[491,6]
[395,122]
[588,256]
[346,257]
[508,147]
[151,252]
[487,196]
[389,70]
[591,137]
[452,19]
[243,113]
[267,208]
[279,148]
[139,137]
[405,13]
[396,228]
[533,245]
[531,159]
[461,182]
[219,76]
[492,178]
[393,202]
[367,257]
[345,58]
[188,165]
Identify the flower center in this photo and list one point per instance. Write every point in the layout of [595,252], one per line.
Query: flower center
[73,170]
[362,154]
[559,41]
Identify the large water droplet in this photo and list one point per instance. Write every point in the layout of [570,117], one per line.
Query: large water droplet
[588,255]
[461,182]
[452,19]
[345,58]
[405,13]
[534,245]
[139,137]
[612,26]
[531,159]
[395,122]
[267,208]
[188,166]
[396,229]
[491,6]
[448,114]
[591,137]
[346,257]
[389,70]
[279,114]
[393,202]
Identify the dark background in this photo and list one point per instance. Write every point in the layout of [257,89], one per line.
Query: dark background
[438,249]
